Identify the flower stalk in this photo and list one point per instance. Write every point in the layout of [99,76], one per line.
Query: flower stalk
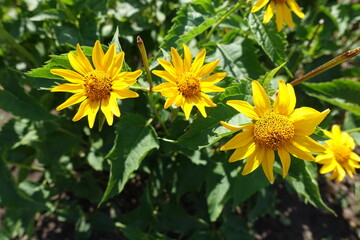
[145,61]
[330,64]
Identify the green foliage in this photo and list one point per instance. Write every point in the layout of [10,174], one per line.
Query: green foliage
[154,174]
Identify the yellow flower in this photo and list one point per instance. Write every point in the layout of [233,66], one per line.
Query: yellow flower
[282,11]
[338,156]
[96,88]
[188,82]
[279,127]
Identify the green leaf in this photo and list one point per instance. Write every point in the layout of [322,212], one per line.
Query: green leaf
[341,92]
[190,21]
[15,100]
[272,42]
[265,80]
[218,186]
[305,183]
[11,195]
[237,59]
[246,185]
[135,138]
[206,131]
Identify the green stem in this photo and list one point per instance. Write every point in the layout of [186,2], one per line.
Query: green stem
[330,64]
[144,58]
[35,168]
[223,18]
[8,37]
[353,130]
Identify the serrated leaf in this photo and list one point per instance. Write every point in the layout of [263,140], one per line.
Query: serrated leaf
[272,42]
[342,93]
[135,138]
[190,21]
[237,59]
[305,183]
[265,80]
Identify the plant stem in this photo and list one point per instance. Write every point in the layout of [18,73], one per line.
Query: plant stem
[353,130]
[144,58]
[35,168]
[328,65]
[223,18]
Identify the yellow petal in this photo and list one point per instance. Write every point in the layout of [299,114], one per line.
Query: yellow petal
[69,75]
[236,127]
[66,87]
[207,69]
[163,86]
[108,58]
[287,16]
[177,61]
[242,152]
[305,120]
[105,108]
[216,77]
[283,100]
[212,89]
[124,93]
[84,60]
[76,63]
[258,5]
[279,16]
[254,160]
[206,99]
[97,55]
[306,143]
[169,101]
[354,157]
[285,161]
[328,167]
[116,66]
[269,12]
[198,62]
[295,7]
[74,99]
[165,75]
[267,164]
[324,158]
[238,141]
[260,98]
[299,153]
[244,107]
[168,67]
[187,107]
[113,105]
[187,58]
[201,108]
[82,112]
[92,111]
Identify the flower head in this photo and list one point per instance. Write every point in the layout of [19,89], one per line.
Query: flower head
[97,88]
[338,156]
[282,11]
[279,128]
[188,82]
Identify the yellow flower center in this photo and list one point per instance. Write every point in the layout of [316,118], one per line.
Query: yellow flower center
[272,131]
[341,152]
[97,85]
[189,84]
